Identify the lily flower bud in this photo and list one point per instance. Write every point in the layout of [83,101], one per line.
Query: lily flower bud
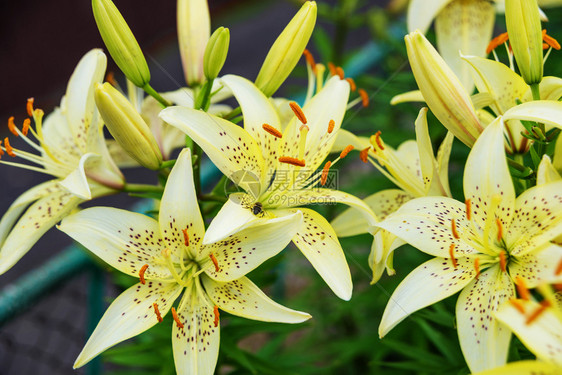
[121,42]
[524,29]
[287,50]
[215,53]
[194,29]
[127,126]
[442,90]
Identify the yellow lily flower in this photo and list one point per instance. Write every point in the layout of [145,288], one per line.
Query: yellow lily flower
[169,258]
[524,368]
[277,169]
[72,149]
[414,169]
[482,247]
[194,30]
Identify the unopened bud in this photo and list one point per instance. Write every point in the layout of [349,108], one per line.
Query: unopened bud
[121,42]
[287,50]
[215,53]
[127,126]
[194,28]
[524,29]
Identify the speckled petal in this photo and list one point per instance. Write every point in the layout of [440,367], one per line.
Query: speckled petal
[426,223]
[484,341]
[382,254]
[243,298]
[54,204]
[59,139]
[129,315]
[383,203]
[486,176]
[537,219]
[524,368]
[243,251]
[537,267]
[319,244]
[196,345]
[543,336]
[422,12]
[125,240]
[228,146]
[179,209]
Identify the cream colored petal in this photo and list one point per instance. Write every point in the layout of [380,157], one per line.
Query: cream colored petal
[538,218]
[421,13]
[407,97]
[319,244]
[548,112]
[557,158]
[546,172]
[543,336]
[120,156]
[129,315]
[179,209]
[487,177]
[426,224]
[77,182]
[427,162]
[537,268]
[53,204]
[484,341]
[443,155]
[383,203]
[124,240]
[430,282]
[345,138]
[59,139]
[228,146]
[465,27]
[524,368]
[243,298]
[381,255]
[245,250]
[551,88]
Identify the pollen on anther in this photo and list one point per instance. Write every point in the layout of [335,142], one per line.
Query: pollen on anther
[25,128]
[477,267]
[325,173]
[346,151]
[538,311]
[271,130]
[29,106]
[110,77]
[364,98]
[1,151]
[141,274]
[12,126]
[363,155]
[9,149]
[298,112]
[496,42]
[331,125]
[352,84]
[185,237]
[468,209]
[217,315]
[452,255]
[340,72]
[309,59]
[517,305]
[522,289]
[454,229]
[157,312]
[293,161]
[500,229]
[177,318]
[550,41]
[215,262]
[502,261]
[378,140]
[558,270]
[332,68]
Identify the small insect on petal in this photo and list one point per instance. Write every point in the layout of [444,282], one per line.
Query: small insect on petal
[496,42]
[177,318]
[185,237]
[538,311]
[346,151]
[364,98]
[293,161]
[141,274]
[352,84]
[12,126]
[331,125]
[340,72]
[522,289]
[363,155]
[157,312]
[325,173]
[468,209]
[9,149]
[29,107]
[215,262]
[452,255]
[271,130]
[518,305]
[454,229]
[298,112]
[217,315]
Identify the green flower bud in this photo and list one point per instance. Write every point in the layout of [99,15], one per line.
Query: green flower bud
[287,50]
[127,126]
[121,42]
[194,28]
[215,53]
[524,29]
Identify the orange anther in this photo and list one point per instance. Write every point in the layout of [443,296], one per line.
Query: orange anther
[141,274]
[378,140]
[452,255]
[215,262]
[332,69]
[298,112]
[558,270]
[9,149]
[331,126]
[538,311]
[12,126]
[500,229]
[468,209]
[25,128]
[496,42]
[352,84]
[29,107]
[522,289]
[454,229]
[157,312]
[477,267]
[363,155]
[346,151]
[545,46]
[517,304]
[1,151]
[558,287]
[309,59]
[217,315]
[271,130]
[110,77]
[502,261]
[325,173]
[364,98]
[340,72]
[293,161]
[177,318]
[185,237]
[550,41]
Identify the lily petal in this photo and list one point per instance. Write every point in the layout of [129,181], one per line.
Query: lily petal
[484,341]
[179,209]
[546,111]
[443,155]
[242,252]
[77,182]
[430,282]
[319,244]
[124,240]
[130,314]
[243,298]
[427,162]
[58,138]
[539,267]
[421,13]
[410,96]
[524,368]
[546,172]
[345,138]
[381,255]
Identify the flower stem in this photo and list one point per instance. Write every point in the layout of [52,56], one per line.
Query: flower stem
[150,91]
[142,188]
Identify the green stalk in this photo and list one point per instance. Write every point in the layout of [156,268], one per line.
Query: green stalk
[150,91]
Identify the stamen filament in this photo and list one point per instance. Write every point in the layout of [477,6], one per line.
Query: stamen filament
[518,305]
[141,274]
[522,289]
[177,318]
[166,253]
[302,141]
[538,311]
[309,59]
